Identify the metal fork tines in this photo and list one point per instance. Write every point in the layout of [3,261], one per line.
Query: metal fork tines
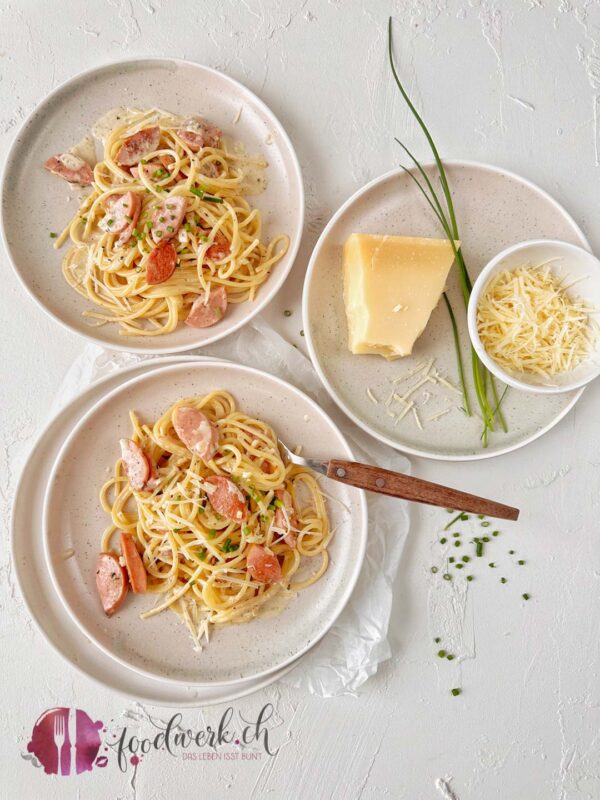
[311,463]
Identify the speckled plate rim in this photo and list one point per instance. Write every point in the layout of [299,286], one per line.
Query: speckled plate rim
[271,286]
[157,693]
[314,355]
[360,523]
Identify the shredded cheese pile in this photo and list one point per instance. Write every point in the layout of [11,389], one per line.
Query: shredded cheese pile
[528,322]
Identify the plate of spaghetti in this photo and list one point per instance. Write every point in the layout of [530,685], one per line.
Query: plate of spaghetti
[168,200]
[179,539]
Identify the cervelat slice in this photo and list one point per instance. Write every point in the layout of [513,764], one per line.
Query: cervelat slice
[205,313]
[226,498]
[111,581]
[219,248]
[262,564]
[134,215]
[120,210]
[138,577]
[138,146]
[161,263]
[196,431]
[167,218]
[197,133]
[285,516]
[71,168]
[135,463]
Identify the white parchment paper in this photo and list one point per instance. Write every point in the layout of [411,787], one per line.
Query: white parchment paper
[354,647]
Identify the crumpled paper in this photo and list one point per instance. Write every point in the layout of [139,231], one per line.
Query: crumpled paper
[357,643]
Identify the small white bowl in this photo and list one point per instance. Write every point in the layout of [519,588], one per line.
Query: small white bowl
[567,260]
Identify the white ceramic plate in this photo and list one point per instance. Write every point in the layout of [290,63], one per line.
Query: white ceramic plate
[160,647]
[34,202]
[37,589]
[495,209]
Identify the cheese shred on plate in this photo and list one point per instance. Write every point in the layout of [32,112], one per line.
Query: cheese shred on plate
[528,322]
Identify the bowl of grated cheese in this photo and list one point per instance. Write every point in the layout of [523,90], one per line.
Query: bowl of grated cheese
[533,316]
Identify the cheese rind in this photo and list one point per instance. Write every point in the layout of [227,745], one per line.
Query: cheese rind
[391,286]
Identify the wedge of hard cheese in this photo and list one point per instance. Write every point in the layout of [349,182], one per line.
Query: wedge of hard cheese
[391,286]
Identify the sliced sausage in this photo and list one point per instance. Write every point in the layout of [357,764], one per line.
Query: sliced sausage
[138,577]
[167,162]
[262,564]
[111,581]
[219,248]
[226,498]
[196,431]
[197,133]
[167,218]
[135,206]
[138,146]
[71,168]
[203,313]
[285,516]
[161,264]
[135,463]
[121,211]
[154,479]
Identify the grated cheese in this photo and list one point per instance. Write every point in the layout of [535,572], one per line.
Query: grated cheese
[529,323]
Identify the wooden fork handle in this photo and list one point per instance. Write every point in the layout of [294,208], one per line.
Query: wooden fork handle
[395,484]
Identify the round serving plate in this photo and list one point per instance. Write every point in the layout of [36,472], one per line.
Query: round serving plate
[494,209]
[37,589]
[160,647]
[34,202]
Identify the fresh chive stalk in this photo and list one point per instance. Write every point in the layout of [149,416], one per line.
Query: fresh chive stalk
[482,380]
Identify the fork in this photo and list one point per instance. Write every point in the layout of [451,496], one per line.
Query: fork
[59,738]
[395,484]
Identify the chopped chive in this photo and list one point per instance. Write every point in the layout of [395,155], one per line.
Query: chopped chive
[53,235]
[451,559]
[212,533]
[503,580]
[442,653]
[458,543]
[466,559]
[492,564]
[437,640]
[455,692]
[443,540]
[479,550]
[469,577]
[495,533]
[434,570]
[277,503]
[520,562]
[485,539]
[526,596]
[301,333]
[459,566]
[450,657]
[447,577]
[486,524]
[287,313]
[511,552]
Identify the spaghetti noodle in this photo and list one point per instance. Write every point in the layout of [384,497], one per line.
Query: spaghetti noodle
[221,535]
[211,254]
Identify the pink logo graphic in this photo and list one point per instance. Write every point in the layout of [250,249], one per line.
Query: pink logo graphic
[66,742]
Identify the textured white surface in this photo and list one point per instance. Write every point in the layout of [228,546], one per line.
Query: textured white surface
[515,83]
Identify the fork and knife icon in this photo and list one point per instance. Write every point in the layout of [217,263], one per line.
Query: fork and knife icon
[65,739]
